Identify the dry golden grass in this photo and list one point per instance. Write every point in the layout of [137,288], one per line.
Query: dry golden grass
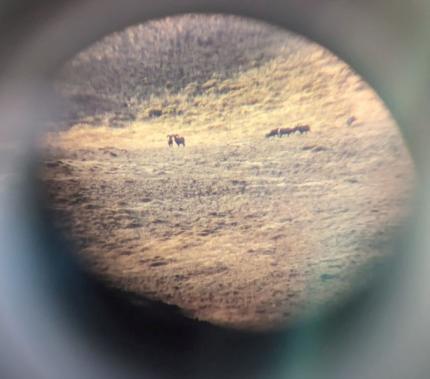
[309,86]
[237,229]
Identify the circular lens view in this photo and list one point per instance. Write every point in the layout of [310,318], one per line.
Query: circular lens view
[225,166]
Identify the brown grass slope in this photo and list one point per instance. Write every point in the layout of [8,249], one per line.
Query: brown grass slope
[237,229]
[112,78]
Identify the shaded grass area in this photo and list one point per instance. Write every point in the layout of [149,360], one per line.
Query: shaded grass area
[112,78]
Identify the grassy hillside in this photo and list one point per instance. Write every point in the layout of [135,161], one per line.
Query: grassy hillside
[308,85]
[110,80]
[235,228]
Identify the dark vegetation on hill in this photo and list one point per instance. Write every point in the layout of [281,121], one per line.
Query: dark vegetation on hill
[111,79]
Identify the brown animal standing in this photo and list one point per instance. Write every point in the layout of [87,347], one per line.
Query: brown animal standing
[285,131]
[302,129]
[272,133]
[351,121]
[179,140]
[170,140]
